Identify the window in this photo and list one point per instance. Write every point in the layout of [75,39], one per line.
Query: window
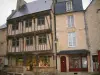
[78,62]
[42,39]
[29,40]
[44,61]
[70,21]
[84,62]
[15,26]
[41,20]
[15,42]
[71,39]
[69,6]
[19,61]
[75,62]
[28,23]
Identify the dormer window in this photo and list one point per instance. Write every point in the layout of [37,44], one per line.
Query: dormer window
[28,23]
[69,6]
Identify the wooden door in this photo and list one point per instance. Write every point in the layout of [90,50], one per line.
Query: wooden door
[63,64]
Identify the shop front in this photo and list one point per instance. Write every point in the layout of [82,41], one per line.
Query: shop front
[31,62]
[73,60]
[78,63]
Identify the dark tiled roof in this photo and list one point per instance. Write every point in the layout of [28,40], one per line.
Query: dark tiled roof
[42,5]
[81,51]
[3,26]
[32,7]
[61,6]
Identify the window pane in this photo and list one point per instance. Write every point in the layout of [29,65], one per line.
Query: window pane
[42,39]
[70,21]
[15,42]
[41,20]
[71,39]
[69,6]
[29,40]
[15,27]
[75,62]
[26,23]
[44,61]
[84,62]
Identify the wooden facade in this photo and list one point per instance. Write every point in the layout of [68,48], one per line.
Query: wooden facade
[30,39]
[35,30]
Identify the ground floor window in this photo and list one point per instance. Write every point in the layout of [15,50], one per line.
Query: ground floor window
[75,62]
[37,61]
[78,63]
[44,61]
[31,61]
[19,61]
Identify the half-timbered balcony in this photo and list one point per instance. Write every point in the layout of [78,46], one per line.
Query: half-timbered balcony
[38,43]
[30,25]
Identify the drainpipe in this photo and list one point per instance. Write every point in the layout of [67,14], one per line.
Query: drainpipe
[55,37]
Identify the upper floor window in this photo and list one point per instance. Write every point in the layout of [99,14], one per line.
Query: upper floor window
[15,42]
[42,39]
[15,26]
[72,39]
[29,40]
[41,20]
[28,23]
[69,6]
[70,21]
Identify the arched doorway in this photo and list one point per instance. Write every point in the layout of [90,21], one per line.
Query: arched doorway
[63,63]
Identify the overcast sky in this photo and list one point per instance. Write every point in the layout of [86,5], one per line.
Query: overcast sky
[7,5]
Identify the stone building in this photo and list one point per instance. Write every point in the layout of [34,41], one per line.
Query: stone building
[92,16]
[3,45]
[31,36]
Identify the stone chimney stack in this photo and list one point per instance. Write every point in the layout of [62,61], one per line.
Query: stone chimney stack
[20,3]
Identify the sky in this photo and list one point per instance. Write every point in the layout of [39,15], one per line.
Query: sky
[6,7]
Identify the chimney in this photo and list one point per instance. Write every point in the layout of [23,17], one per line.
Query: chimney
[13,11]
[20,3]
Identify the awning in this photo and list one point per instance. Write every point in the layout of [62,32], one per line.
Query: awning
[82,51]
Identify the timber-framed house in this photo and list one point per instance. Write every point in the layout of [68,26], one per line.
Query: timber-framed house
[30,38]
[32,31]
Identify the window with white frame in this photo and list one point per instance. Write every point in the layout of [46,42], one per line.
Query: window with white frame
[69,6]
[70,21]
[71,39]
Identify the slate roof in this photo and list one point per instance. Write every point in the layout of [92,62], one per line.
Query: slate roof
[3,26]
[42,5]
[61,6]
[81,51]
[32,7]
